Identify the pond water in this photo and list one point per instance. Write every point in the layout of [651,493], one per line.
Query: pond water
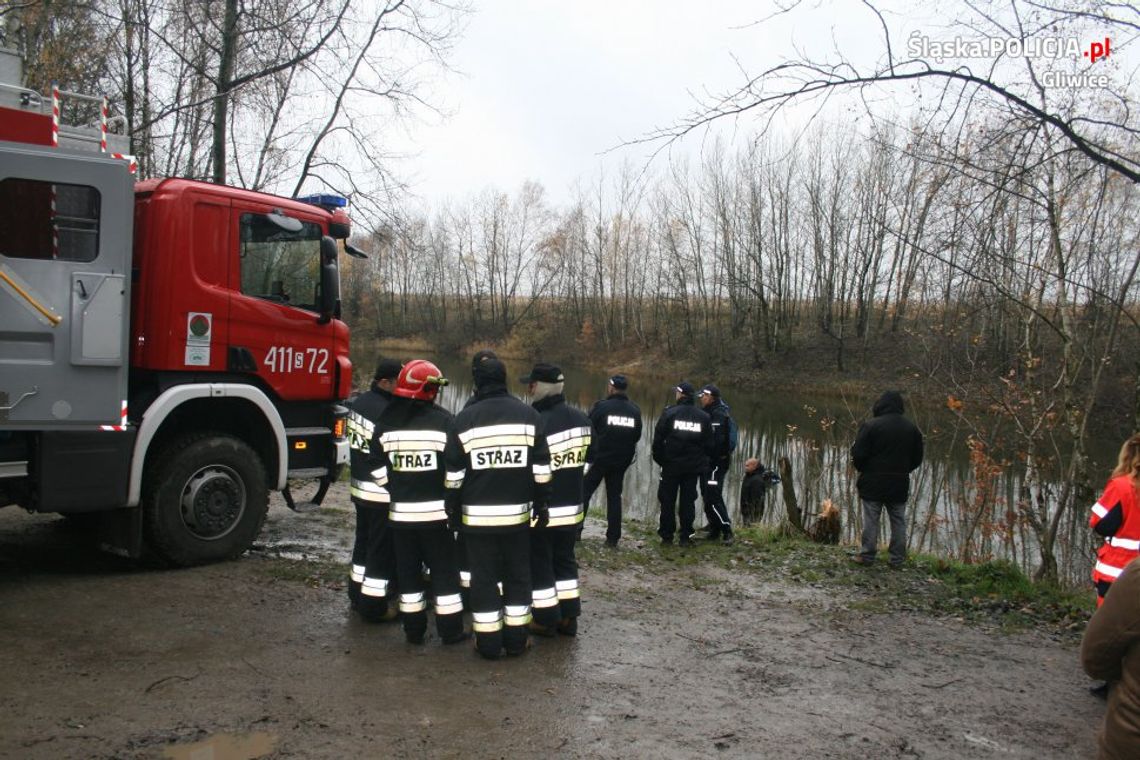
[815,435]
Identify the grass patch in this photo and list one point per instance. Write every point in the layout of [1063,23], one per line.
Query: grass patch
[314,573]
[994,594]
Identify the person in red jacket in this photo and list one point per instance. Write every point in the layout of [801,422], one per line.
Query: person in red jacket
[1116,516]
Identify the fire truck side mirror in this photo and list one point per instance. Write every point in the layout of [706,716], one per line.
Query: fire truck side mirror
[330,281]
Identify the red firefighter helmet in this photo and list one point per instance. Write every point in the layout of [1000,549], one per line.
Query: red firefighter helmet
[419,379]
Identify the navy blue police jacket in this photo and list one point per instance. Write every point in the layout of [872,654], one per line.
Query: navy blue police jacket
[617,428]
[718,413]
[497,462]
[682,439]
[568,438]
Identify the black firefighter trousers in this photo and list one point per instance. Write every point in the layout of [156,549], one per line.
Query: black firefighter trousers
[431,545]
[499,620]
[378,579]
[554,574]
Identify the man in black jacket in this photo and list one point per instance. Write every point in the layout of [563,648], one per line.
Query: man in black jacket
[373,559]
[720,456]
[616,423]
[554,569]
[887,448]
[498,473]
[681,442]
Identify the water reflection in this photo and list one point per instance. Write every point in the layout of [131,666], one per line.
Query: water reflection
[815,435]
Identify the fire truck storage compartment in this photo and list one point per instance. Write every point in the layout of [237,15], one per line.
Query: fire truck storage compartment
[83,471]
[65,257]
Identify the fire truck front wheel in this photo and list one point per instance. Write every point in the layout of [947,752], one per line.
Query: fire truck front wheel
[204,500]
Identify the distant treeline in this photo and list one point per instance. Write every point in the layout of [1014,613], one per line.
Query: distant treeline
[999,273]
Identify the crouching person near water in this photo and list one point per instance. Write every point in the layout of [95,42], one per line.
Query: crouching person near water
[753,490]
[498,474]
[407,448]
[554,569]
[1111,651]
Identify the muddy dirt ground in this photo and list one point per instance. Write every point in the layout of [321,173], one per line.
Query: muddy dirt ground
[677,656]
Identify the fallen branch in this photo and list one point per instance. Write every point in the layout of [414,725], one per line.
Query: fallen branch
[942,685]
[161,681]
[883,665]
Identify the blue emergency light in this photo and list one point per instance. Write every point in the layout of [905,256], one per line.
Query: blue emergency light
[324,200]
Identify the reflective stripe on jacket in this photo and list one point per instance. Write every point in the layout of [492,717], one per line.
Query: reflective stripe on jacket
[497,459]
[364,409]
[568,438]
[407,461]
[1116,516]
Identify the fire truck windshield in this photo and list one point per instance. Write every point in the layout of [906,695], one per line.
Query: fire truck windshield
[279,265]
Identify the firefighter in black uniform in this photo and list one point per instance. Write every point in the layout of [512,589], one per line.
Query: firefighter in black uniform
[373,560]
[460,542]
[616,424]
[407,460]
[720,456]
[682,440]
[498,473]
[554,569]
[480,356]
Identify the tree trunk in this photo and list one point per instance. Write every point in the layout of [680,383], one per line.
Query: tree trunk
[795,514]
[222,86]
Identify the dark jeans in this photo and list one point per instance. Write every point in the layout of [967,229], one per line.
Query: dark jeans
[672,486]
[896,513]
[614,475]
[712,493]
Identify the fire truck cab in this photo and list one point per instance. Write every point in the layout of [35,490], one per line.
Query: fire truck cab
[170,349]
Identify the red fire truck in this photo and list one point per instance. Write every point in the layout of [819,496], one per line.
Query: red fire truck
[170,350]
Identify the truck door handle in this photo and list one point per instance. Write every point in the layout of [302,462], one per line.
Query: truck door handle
[33,392]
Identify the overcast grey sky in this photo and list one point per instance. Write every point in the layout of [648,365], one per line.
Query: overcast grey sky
[542,89]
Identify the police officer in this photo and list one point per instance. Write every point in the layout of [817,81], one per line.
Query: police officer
[554,569]
[407,460]
[373,560]
[682,439]
[616,423]
[720,456]
[498,473]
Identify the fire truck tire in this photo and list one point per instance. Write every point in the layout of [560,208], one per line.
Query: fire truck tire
[204,500]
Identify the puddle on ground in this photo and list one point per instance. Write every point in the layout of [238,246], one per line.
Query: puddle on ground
[224,747]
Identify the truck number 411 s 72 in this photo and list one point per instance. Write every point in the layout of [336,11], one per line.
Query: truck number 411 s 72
[289,359]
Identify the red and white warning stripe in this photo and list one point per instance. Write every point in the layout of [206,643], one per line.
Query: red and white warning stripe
[122,421]
[133,164]
[103,125]
[55,114]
